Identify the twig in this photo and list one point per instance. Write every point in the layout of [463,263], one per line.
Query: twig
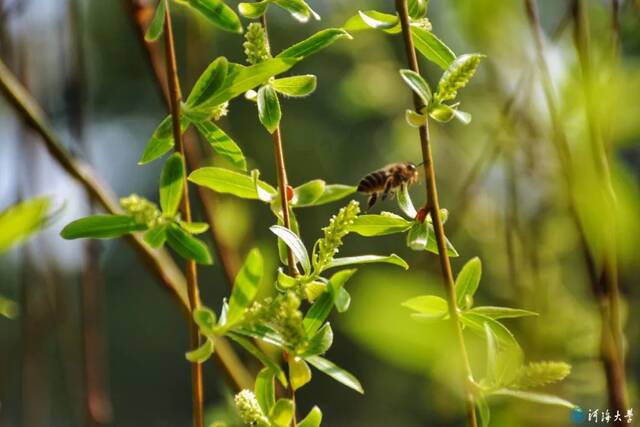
[175,97]
[157,261]
[614,370]
[434,206]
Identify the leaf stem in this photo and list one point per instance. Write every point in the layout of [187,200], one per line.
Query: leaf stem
[604,286]
[433,206]
[175,97]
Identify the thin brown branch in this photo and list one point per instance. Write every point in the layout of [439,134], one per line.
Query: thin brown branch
[433,205]
[159,263]
[603,285]
[175,96]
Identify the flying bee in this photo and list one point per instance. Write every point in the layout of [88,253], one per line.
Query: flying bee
[388,180]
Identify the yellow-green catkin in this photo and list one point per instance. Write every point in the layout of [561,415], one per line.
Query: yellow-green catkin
[538,374]
[338,227]
[256,46]
[142,210]
[249,409]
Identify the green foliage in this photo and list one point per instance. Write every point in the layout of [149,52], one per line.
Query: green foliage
[457,76]
[225,181]
[22,220]
[313,418]
[299,373]
[428,307]
[335,372]
[295,86]
[101,227]
[222,144]
[299,9]
[245,287]
[432,48]
[202,353]
[314,44]
[172,184]
[8,308]
[157,23]
[187,246]
[269,108]
[467,282]
[218,13]
[417,84]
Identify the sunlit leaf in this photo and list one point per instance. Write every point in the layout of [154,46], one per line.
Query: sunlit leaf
[442,113]
[269,108]
[314,44]
[299,9]
[418,236]
[334,192]
[20,221]
[417,8]
[313,418]
[415,119]
[172,184]
[206,320]
[294,243]
[156,236]
[343,300]
[282,413]
[307,193]
[321,308]
[219,13]
[379,225]
[264,389]
[253,10]
[432,245]
[467,282]
[188,246]
[157,23]
[299,373]
[295,86]
[222,144]
[405,203]
[372,19]
[202,353]
[367,259]
[101,227]
[269,363]
[432,47]
[546,399]
[194,227]
[502,312]
[335,372]
[245,287]
[211,79]
[320,342]
[8,308]
[225,181]
[417,85]
[428,306]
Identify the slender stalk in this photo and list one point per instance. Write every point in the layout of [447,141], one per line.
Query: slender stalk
[192,272]
[433,206]
[284,202]
[602,285]
[158,262]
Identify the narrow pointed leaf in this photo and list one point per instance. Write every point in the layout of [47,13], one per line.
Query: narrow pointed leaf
[432,245]
[245,287]
[188,246]
[405,202]
[313,418]
[219,13]
[172,184]
[222,144]
[372,19]
[101,227]
[343,300]
[156,236]
[367,259]
[417,85]
[320,342]
[269,108]
[225,181]
[21,220]
[297,8]
[194,227]
[334,192]
[296,86]
[502,312]
[321,308]
[161,141]
[335,372]
[265,390]
[307,193]
[379,225]
[546,399]
[211,79]
[432,47]
[314,44]
[157,23]
[269,363]
[467,282]
[294,243]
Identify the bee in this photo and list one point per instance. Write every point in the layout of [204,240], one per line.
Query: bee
[387,181]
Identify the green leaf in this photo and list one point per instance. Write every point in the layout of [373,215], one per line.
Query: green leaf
[502,312]
[202,353]
[295,244]
[222,144]
[343,300]
[282,413]
[172,184]
[260,355]
[264,333]
[101,227]
[156,236]
[432,47]
[313,418]
[545,399]
[476,323]
[253,10]
[225,181]
[405,203]
[432,245]
[418,8]
[157,23]
[265,390]
[379,225]
[321,308]
[457,75]
[299,373]
[417,84]
[8,308]
[20,221]
[414,119]
[307,193]
[161,141]
[462,116]
[206,320]
[314,44]
[492,354]
[467,282]
[187,246]
[219,13]
[266,193]
[245,287]
[293,227]
[367,259]
[194,227]
[334,192]
[335,372]
[428,306]
[298,9]
[296,86]
[211,79]
[240,79]
[418,236]
[320,342]
[372,19]
[269,108]
[442,113]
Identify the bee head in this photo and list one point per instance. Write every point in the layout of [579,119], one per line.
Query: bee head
[411,167]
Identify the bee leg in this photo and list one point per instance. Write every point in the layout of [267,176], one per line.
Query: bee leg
[372,200]
[387,188]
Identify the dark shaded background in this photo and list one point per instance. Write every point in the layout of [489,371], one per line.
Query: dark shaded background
[513,217]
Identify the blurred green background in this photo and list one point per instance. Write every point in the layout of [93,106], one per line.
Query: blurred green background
[513,215]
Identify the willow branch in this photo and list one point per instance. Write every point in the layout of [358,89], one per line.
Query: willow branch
[433,205]
[159,263]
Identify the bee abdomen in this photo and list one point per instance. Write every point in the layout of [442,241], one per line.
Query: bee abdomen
[372,182]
